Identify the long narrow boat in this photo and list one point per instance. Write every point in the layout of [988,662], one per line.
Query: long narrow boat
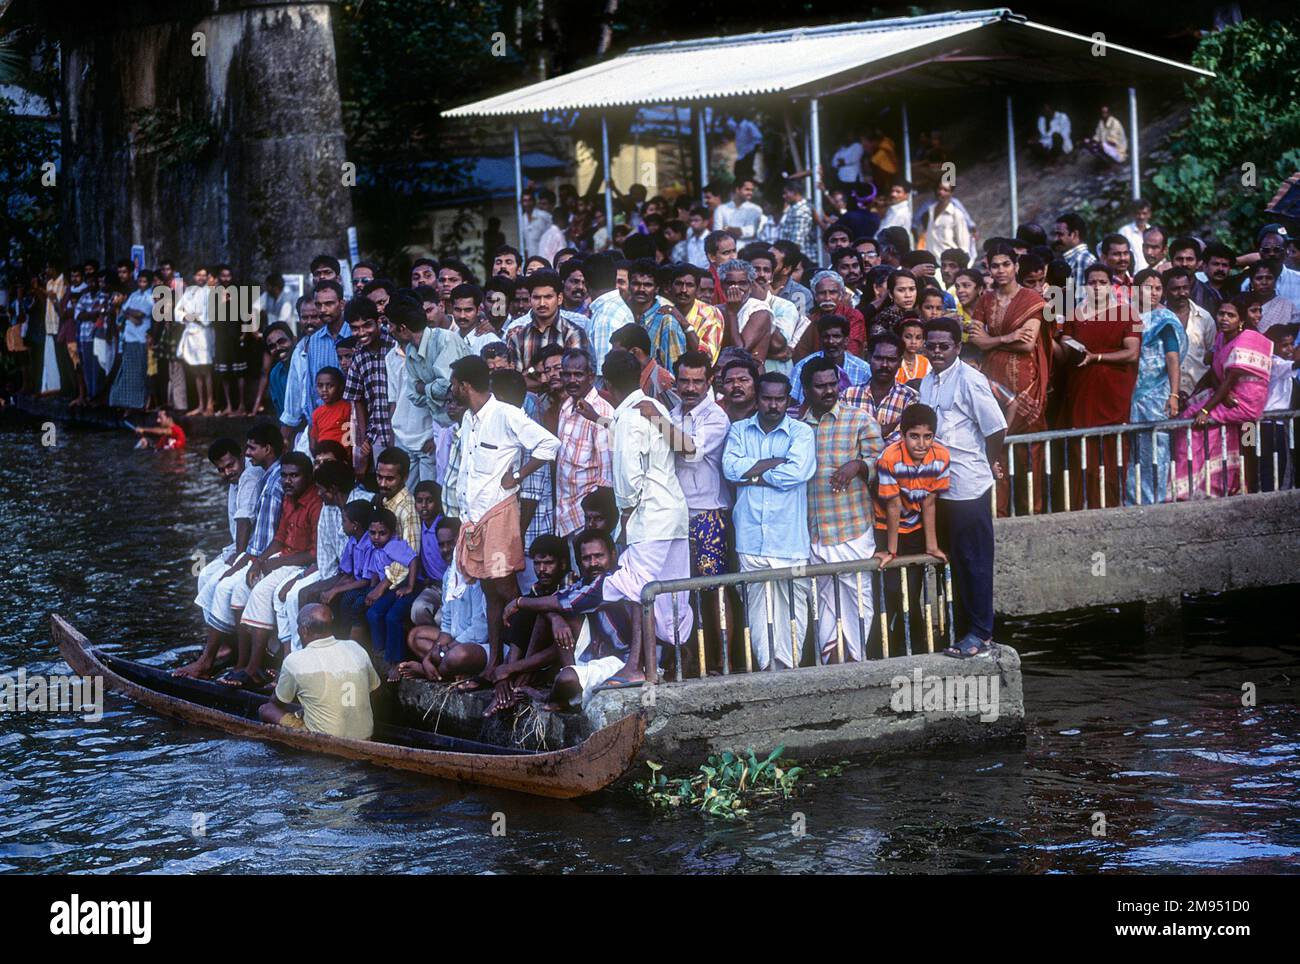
[572,772]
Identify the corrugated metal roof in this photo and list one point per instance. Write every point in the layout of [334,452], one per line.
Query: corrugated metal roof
[787,61]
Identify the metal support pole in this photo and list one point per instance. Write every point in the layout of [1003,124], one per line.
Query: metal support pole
[815,161]
[609,179]
[1133,141]
[519,190]
[1011,166]
[703,149]
[907,146]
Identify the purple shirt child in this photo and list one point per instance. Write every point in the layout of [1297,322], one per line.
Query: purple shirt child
[395,550]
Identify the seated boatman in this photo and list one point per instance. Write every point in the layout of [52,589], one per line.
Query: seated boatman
[329,679]
[593,638]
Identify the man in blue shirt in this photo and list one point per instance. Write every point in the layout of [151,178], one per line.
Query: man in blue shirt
[318,351]
[770,458]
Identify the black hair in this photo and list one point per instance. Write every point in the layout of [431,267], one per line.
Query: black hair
[592,535]
[300,460]
[385,517]
[601,499]
[549,544]
[509,386]
[405,312]
[472,370]
[812,367]
[360,511]
[337,476]
[327,446]
[772,378]
[460,267]
[284,327]
[361,308]
[600,272]
[223,447]
[946,323]
[448,522]
[346,344]
[712,240]
[330,285]
[631,336]
[467,290]
[327,261]
[756,249]
[267,433]
[884,338]
[693,359]
[827,322]
[398,457]
[918,414]
[332,372]
[1114,239]
[509,249]
[570,266]
[546,278]
[1217,249]
[620,368]
[1073,222]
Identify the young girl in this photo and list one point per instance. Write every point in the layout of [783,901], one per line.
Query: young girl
[914,365]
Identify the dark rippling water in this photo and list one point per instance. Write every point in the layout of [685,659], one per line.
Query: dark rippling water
[1152,734]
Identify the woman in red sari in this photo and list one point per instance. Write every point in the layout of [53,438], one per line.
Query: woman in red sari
[1099,386]
[1008,327]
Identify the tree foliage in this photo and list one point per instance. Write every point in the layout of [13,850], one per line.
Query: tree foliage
[1243,136]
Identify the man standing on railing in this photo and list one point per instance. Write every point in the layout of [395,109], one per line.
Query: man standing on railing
[839,502]
[972,428]
[770,458]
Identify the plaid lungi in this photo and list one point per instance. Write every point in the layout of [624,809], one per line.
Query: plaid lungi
[130,389]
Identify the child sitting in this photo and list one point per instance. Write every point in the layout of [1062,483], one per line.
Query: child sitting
[911,473]
[332,420]
[426,577]
[389,549]
[351,584]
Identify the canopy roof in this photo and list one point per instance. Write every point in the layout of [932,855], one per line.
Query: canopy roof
[976,48]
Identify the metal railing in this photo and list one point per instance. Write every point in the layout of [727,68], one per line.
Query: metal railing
[1134,464]
[923,582]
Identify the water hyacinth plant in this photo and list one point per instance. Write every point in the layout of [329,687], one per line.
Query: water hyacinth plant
[725,786]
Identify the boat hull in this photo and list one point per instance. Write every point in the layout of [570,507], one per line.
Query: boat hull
[572,772]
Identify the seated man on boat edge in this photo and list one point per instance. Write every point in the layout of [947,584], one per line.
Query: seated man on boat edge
[595,640]
[324,687]
[456,645]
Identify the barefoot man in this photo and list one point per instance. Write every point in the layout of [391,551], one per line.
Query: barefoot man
[456,647]
[495,437]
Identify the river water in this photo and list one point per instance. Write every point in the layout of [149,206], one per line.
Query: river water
[1152,734]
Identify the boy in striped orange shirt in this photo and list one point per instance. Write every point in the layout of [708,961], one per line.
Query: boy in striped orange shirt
[911,472]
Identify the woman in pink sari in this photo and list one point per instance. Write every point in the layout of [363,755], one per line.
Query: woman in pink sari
[1233,392]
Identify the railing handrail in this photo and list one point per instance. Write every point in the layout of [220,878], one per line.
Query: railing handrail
[1065,433]
[813,570]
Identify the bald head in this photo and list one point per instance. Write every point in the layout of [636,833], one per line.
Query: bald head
[315,621]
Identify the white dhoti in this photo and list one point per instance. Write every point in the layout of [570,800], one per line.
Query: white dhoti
[830,619]
[209,576]
[646,562]
[259,611]
[286,610]
[768,603]
[228,599]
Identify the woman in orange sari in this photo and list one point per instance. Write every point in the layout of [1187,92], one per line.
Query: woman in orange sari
[1008,327]
[1099,385]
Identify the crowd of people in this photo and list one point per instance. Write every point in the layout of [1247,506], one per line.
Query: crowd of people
[478,478]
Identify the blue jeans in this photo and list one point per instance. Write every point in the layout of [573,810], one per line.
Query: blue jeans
[387,619]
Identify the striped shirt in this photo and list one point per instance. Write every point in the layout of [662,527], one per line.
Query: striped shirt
[402,505]
[667,339]
[609,313]
[708,324]
[853,372]
[842,435]
[269,503]
[525,341]
[910,481]
[330,541]
[585,460]
[450,504]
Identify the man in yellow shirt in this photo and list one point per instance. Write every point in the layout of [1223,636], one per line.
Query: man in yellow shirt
[330,681]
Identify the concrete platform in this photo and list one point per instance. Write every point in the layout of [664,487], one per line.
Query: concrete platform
[824,711]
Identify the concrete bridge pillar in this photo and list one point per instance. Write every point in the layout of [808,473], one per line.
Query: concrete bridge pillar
[206,130]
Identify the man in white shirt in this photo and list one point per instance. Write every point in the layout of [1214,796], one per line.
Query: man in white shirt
[1053,134]
[536,223]
[972,427]
[490,545]
[691,248]
[1198,324]
[654,516]
[899,212]
[1133,232]
[739,217]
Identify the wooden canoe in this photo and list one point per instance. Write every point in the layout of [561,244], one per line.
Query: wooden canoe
[572,772]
